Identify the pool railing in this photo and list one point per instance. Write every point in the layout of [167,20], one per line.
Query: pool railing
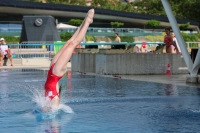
[47,49]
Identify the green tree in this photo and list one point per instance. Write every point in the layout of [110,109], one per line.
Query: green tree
[75,22]
[116,24]
[186,9]
[184,26]
[65,36]
[11,39]
[153,24]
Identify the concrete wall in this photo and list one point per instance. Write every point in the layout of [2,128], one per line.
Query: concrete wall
[83,62]
[128,63]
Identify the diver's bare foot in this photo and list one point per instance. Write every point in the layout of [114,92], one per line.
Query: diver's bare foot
[11,64]
[90,16]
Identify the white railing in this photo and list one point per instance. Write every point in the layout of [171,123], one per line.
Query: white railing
[47,49]
[193,45]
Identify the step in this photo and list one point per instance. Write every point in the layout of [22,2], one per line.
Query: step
[29,50]
[16,62]
[35,61]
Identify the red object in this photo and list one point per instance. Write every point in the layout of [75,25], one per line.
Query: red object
[69,75]
[144,44]
[69,84]
[50,84]
[168,72]
[78,46]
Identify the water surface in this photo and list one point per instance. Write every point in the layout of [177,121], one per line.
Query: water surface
[101,105]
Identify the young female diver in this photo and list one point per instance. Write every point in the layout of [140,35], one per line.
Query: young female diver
[58,65]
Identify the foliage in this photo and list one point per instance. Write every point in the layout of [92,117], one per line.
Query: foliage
[186,37]
[116,24]
[123,38]
[186,9]
[105,4]
[156,38]
[71,2]
[90,38]
[198,35]
[65,36]
[184,26]
[11,39]
[153,23]
[112,5]
[190,37]
[127,39]
[75,22]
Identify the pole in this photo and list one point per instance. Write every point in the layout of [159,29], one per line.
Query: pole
[179,37]
[196,62]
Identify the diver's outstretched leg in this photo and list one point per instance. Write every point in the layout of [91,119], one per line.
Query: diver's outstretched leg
[60,67]
[55,58]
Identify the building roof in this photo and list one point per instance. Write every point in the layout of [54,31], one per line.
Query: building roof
[24,7]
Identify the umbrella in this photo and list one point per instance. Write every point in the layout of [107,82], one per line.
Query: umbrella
[62,26]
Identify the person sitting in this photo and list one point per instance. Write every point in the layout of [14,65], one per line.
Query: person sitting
[5,52]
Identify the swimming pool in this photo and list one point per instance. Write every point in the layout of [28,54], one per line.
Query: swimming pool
[100,105]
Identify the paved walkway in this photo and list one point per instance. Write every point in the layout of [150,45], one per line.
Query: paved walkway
[41,67]
[165,79]
[45,67]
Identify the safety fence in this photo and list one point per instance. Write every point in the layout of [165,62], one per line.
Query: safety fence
[193,45]
[49,49]
[7,31]
[32,49]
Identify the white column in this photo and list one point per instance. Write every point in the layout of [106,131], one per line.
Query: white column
[179,37]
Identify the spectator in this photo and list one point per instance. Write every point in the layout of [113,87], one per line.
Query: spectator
[168,41]
[175,43]
[5,52]
[144,47]
[117,38]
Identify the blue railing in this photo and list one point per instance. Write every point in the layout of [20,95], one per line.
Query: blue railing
[93,43]
[46,49]
[95,31]
[31,49]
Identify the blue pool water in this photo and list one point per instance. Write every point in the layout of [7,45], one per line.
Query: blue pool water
[100,105]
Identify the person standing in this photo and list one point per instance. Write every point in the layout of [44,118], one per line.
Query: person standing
[117,38]
[175,44]
[168,41]
[5,52]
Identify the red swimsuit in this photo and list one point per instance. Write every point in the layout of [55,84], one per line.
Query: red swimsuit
[167,41]
[50,84]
